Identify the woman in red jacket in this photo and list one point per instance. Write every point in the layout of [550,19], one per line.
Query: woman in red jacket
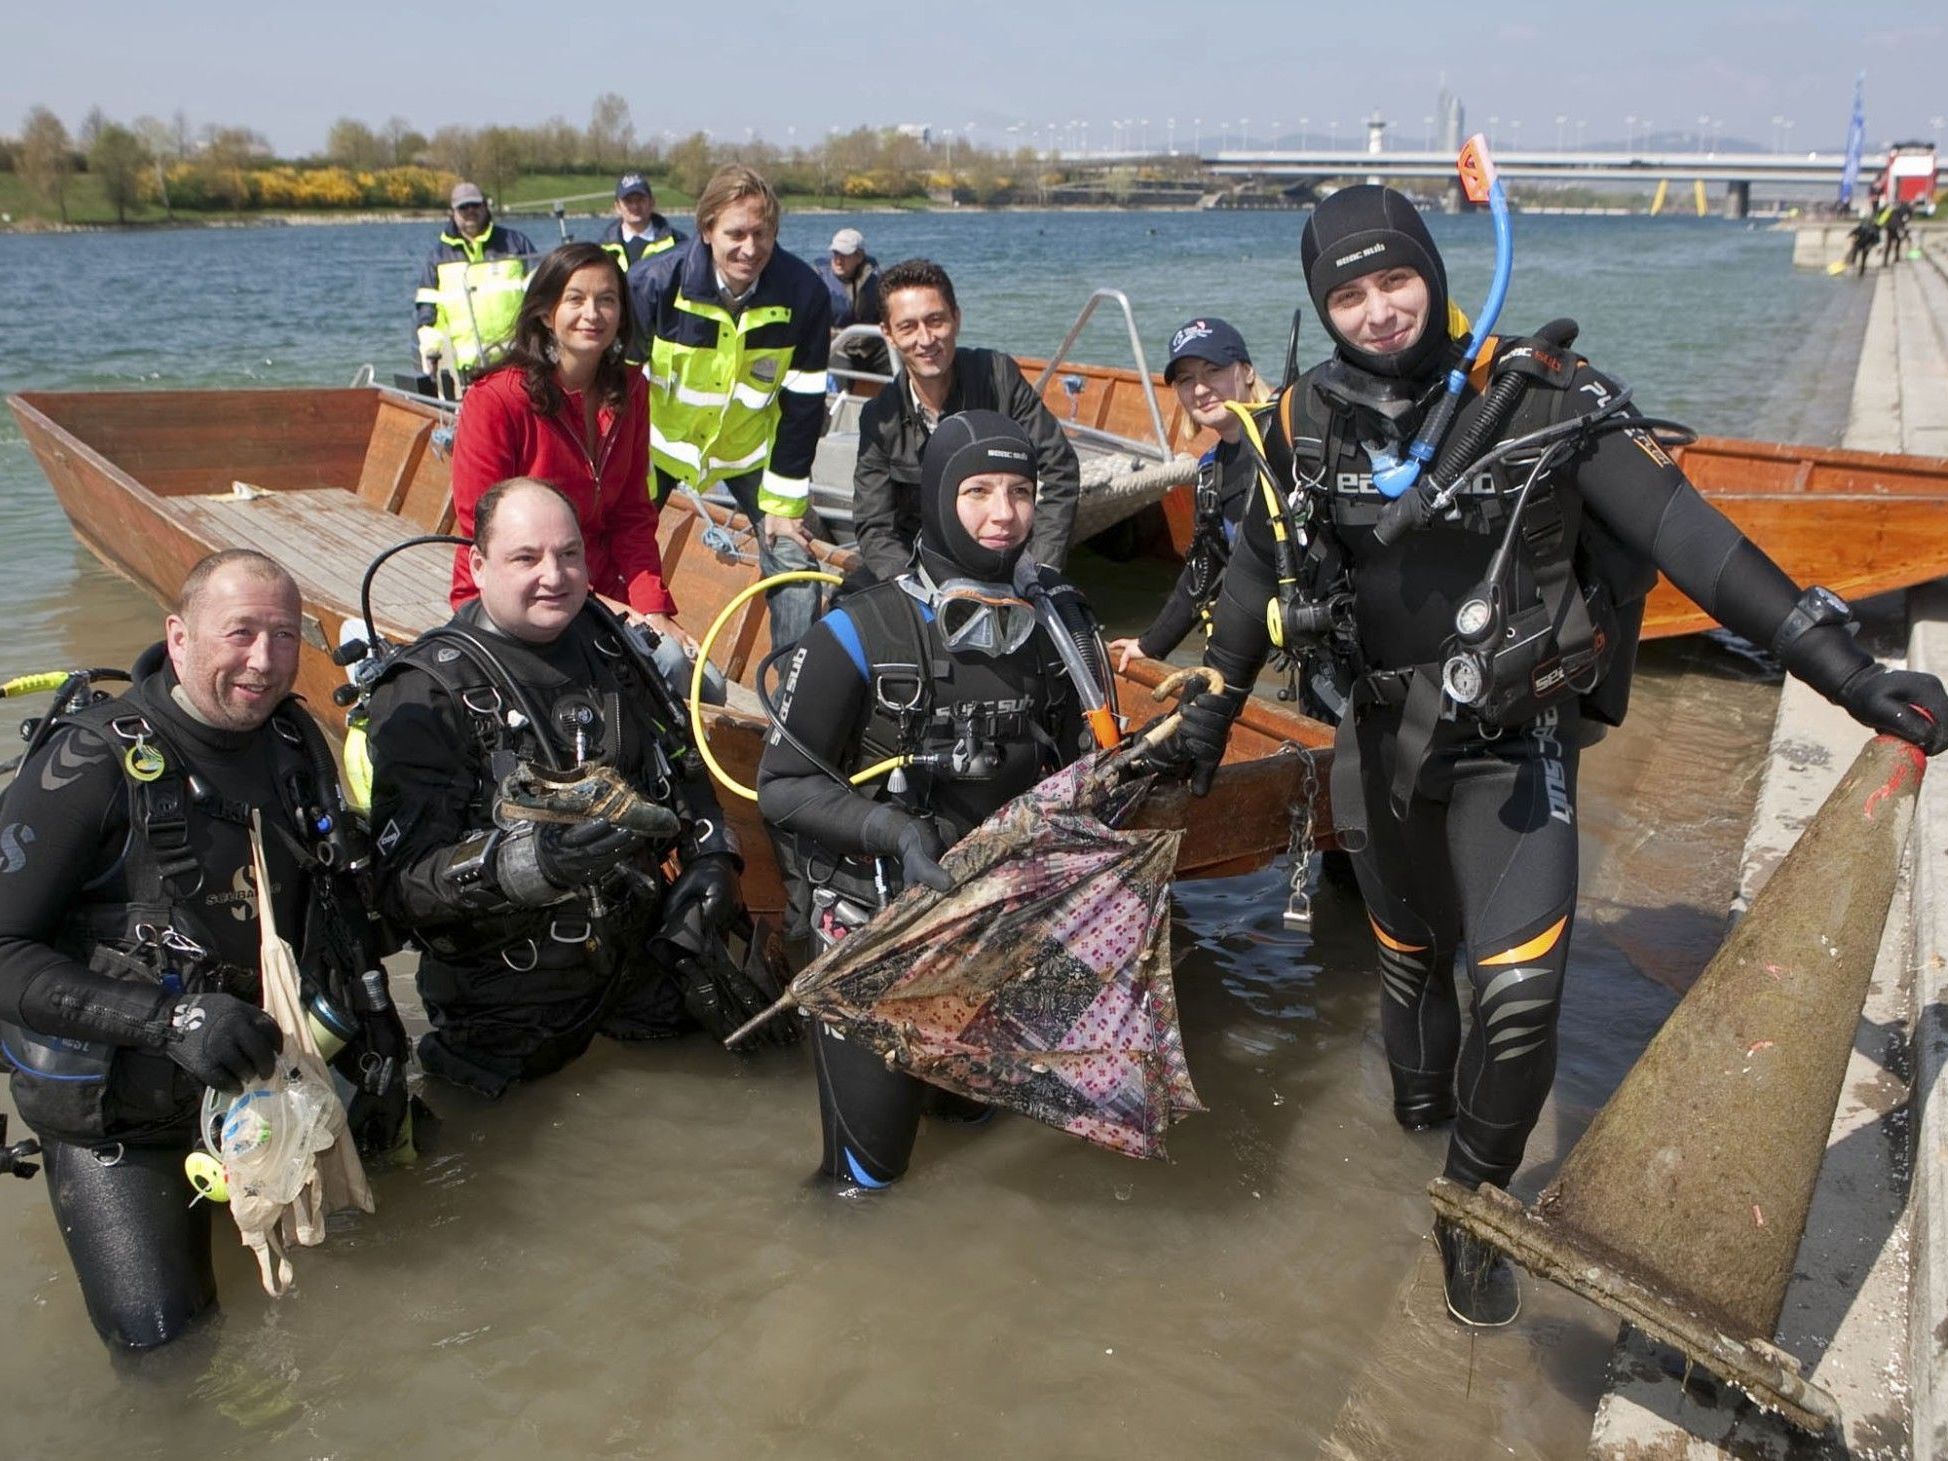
[564,407]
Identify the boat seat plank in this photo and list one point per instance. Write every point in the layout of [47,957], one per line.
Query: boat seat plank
[325,538]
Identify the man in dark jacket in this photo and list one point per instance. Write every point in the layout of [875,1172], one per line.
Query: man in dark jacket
[637,228]
[129,935]
[851,277]
[921,321]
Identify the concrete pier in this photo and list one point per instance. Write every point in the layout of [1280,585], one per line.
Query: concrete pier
[1867,1312]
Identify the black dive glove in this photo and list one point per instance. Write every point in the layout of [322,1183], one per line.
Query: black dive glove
[221,1040]
[1200,739]
[375,1064]
[915,841]
[538,864]
[709,884]
[1816,643]
[1902,703]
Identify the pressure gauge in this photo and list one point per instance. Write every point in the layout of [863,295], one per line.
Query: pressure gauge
[1473,619]
[1462,679]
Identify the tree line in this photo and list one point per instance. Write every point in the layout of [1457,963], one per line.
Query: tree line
[169,164]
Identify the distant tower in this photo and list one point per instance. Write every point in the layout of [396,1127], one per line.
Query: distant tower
[1376,131]
[1448,108]
[1453,119]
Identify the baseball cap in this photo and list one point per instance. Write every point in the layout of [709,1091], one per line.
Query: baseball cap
[464,193]
[1206,339]
[848,241]
[632,182]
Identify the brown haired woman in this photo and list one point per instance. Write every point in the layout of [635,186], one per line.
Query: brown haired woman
[566,409]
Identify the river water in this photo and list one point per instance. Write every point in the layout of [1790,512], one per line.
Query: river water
[627,1259]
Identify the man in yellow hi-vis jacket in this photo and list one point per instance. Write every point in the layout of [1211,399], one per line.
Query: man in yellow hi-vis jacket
[736,332]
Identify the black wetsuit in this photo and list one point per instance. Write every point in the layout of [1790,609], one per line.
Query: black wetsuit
[516,992]
[1484,858]
[1026,711]
[1224,481]
[116,1115]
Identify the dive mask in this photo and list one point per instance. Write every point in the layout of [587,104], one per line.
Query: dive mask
[982,617]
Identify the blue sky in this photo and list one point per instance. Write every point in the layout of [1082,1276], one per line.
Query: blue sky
[791,71]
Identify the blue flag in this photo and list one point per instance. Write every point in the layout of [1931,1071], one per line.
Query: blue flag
[1856,140]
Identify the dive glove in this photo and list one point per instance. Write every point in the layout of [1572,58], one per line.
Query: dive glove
[1816,643]
[915,841]
[708,883]
[1902,703]
[537,864]
[222,1040]
[1201,738]
[375,1063]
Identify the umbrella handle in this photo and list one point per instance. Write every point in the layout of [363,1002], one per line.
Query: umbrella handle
[1178,683]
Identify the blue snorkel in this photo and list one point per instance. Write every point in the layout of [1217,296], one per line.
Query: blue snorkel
[1482,185]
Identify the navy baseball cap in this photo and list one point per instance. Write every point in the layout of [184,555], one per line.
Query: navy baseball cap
[1206,339]
[632,182]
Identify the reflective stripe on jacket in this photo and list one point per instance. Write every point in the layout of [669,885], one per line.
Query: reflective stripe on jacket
[471,291]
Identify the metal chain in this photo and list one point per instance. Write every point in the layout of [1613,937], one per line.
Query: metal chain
[1298,899]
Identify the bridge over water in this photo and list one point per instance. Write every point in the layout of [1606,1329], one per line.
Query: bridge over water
[1737,170]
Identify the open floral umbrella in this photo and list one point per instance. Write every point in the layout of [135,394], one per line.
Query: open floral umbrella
[1041,981]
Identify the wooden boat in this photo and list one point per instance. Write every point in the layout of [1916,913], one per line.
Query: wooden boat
[322,480]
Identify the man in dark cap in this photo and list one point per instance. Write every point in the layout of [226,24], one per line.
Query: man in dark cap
[851,277]
[637,229]
[471,288]
[1454,775]
[992,713]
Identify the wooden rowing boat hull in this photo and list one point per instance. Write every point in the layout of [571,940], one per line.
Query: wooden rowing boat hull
[149,481]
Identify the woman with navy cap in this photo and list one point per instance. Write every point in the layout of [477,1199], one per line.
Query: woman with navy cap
[1208,367]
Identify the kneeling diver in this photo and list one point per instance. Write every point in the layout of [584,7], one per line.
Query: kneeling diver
[531,776]
[952,668]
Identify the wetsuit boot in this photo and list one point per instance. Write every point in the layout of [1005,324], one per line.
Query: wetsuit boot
[1482,1291]
[1422,1099]
[870,1115]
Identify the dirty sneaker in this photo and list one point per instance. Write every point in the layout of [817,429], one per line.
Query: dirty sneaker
[1479,1279]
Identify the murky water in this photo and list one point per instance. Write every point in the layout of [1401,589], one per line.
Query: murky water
[627,1259]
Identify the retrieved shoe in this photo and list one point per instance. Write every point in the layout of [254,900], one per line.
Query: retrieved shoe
[1479,1279]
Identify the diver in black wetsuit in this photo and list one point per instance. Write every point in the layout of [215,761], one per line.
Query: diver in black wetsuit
[129,936]
[536,935]
[1459,795]
[953,662]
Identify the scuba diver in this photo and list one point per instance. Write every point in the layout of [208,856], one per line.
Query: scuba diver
[129,934]
[531,775]
[1496,606]
[953,665]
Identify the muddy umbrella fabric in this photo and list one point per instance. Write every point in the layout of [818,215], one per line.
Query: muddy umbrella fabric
[331,1176]
[1041,982]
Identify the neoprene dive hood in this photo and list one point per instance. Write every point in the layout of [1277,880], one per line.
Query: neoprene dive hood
[1361,230]
[965,446]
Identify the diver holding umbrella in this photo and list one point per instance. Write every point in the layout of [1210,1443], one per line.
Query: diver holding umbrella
[909,714]
[1498,513]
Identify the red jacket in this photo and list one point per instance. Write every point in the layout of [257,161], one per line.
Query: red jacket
[500,436]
